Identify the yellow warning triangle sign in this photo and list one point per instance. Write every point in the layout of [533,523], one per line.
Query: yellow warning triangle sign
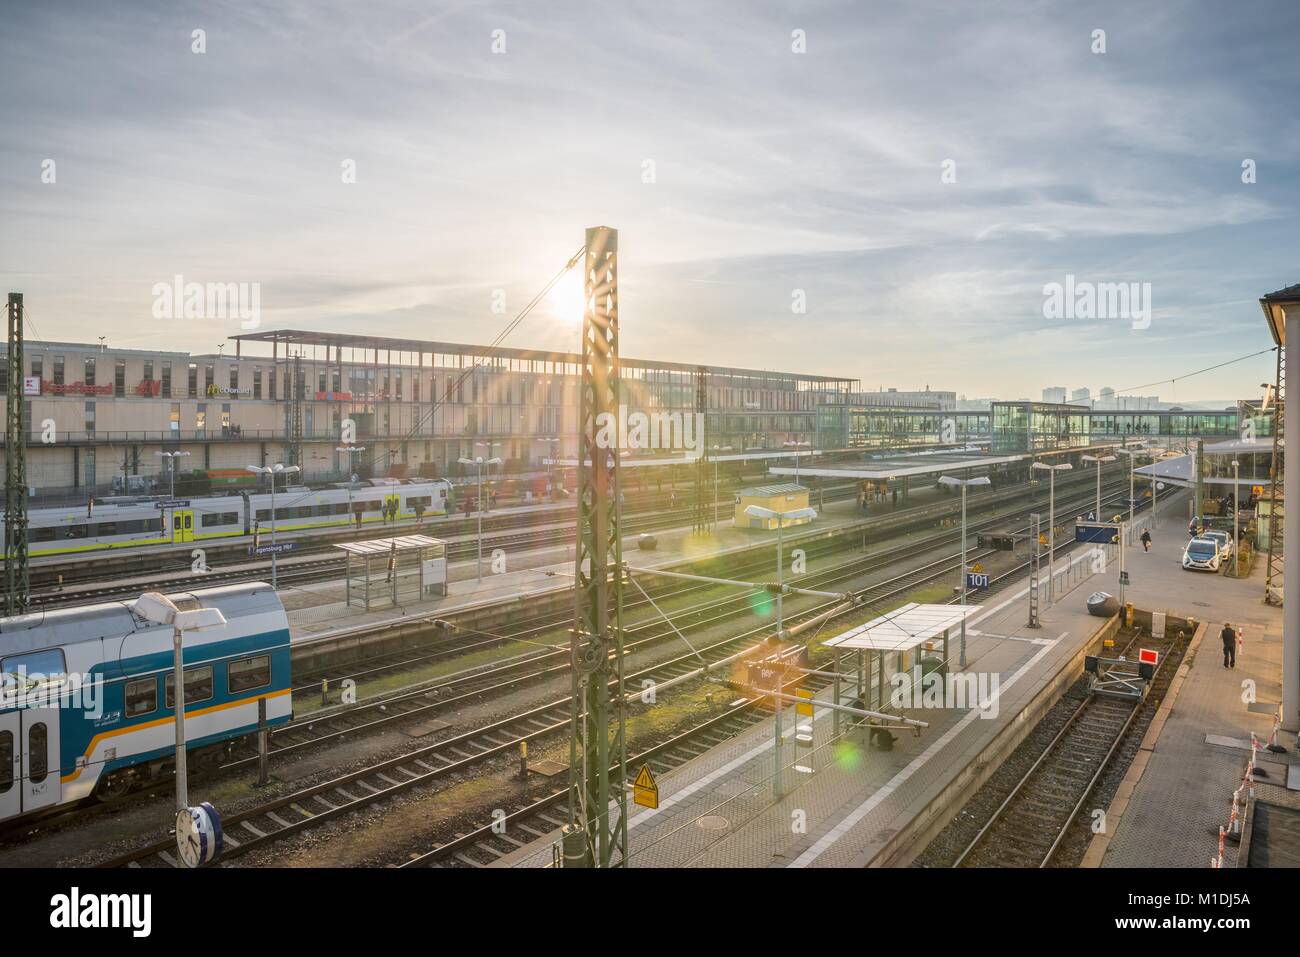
[644,779]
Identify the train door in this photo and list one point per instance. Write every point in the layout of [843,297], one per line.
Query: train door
[11,795]
[29,760]
[183,525]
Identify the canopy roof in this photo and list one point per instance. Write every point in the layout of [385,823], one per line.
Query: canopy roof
[904,628]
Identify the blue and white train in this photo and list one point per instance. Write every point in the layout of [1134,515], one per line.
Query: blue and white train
[143,523]
[87,694]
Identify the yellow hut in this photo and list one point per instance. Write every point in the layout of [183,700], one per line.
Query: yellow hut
[786,497]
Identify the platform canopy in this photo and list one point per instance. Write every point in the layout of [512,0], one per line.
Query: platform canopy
[905,628]
[384,546]
[684,458]
[900,465]
[1180,469]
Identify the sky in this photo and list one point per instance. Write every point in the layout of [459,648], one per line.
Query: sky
[875,190]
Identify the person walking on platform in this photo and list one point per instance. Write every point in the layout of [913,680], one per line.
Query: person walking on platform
[1229,638]
[1146,539]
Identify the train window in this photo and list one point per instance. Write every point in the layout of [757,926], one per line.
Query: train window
[282,513]
[40,534]
[104,529]
[38,752]
[76,531]
[414,500]
[6,761]
[249,673]
[339,508]
[263,514]
[303,511]
[153,525]
[33,668]
[198,686]
[141,697]
[220,518]
[368,506]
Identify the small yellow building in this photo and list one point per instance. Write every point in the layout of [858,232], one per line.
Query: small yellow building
[786,497]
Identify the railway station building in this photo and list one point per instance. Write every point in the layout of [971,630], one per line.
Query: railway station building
[94,415]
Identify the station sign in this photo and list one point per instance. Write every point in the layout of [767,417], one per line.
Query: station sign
[805,705]
[977,580]
[277,549]
[31,385]
[1123,578]
[172,503]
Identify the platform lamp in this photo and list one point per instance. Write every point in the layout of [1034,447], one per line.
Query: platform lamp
[158,608]
[797,446]
[794,515]
[272,471]
[478,462]
[1099,459]
[1132,467]
[962,484]
[1051,522]
[493,461]
[352,476]
[171,458]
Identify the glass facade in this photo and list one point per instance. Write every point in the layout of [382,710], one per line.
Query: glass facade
[1038,427]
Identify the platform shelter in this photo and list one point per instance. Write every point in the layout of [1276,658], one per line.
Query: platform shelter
[405,568]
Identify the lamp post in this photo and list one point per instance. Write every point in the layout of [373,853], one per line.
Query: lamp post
[272,471]
[158,608]
[1132,466]
[478,463]
[1099,459]
[1051,522]
[494,461]
[352,476]
[797,446]
[962,483]
[171,458]
[758,511]
[717,448]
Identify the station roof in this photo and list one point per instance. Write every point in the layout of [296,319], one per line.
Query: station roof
[633,462]
[1180,469]
[384,546]
[1275,314]
[767,491]
[347,340]
[904,628]
[899,465]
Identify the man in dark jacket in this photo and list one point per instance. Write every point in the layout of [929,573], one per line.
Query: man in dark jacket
[1146,539]
[1229,637]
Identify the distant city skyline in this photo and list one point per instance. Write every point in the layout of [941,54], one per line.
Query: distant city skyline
[792,192]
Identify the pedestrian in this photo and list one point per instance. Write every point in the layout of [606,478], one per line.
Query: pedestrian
[1229,639]
[1146,540]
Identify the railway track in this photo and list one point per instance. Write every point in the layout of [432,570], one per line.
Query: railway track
[1029,826]
[552,661]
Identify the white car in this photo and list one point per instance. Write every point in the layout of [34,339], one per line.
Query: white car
[1225,542]
[1203,555]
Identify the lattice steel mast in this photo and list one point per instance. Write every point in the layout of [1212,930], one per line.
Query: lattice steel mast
[596,835]
[17,596]
[704,512]
[295,411]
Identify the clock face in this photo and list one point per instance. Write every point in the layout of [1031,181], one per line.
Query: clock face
[189,840]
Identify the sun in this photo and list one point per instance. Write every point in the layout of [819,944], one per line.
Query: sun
[565,299]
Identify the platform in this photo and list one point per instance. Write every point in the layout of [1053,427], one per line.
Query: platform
[318,610]
[1178,790]
[853,806]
